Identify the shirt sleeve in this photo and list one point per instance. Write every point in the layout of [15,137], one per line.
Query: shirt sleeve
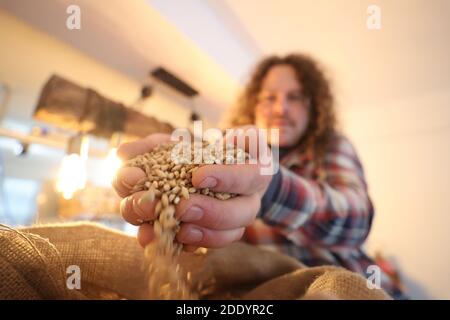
[334,212]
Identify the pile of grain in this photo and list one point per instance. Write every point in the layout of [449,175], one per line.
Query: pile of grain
[169,168]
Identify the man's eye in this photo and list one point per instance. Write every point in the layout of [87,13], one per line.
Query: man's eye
[295,97]
[269,98]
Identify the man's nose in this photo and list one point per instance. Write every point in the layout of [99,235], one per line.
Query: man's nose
[280,106]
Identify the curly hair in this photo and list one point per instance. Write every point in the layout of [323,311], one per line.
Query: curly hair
[316,88]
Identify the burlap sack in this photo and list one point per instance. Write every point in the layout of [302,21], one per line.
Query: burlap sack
[33,263]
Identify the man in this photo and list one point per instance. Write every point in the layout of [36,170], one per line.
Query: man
[316,208]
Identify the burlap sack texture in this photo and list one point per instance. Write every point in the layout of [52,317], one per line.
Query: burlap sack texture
[33,263]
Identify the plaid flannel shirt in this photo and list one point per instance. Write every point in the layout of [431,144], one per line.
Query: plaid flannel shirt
[320,216]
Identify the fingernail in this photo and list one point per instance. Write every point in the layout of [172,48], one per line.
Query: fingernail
[148,196]
[193,213]
[208,182]
[194,235]
[123,204]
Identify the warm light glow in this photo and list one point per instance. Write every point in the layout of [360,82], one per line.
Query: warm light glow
[112,163]
[72,175]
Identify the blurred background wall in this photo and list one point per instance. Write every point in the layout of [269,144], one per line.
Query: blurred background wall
[392,86]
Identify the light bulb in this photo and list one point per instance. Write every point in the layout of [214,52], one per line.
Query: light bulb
[112,163]
[72,175]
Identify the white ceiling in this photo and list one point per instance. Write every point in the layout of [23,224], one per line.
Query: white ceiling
[133,37]
[213,44]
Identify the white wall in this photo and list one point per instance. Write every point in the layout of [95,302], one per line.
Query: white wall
[405,148]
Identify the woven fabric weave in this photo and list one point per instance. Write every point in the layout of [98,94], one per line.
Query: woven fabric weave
[34,260]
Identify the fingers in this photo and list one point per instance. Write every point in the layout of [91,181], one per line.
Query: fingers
[216,214]
[192,237]
[138,207]
[125,179]
[189,248]
[207,222]
[131,149]
[145,234]
[202,237]
[213,224]
[239,178]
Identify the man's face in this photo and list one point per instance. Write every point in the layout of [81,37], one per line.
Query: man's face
[281,105]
